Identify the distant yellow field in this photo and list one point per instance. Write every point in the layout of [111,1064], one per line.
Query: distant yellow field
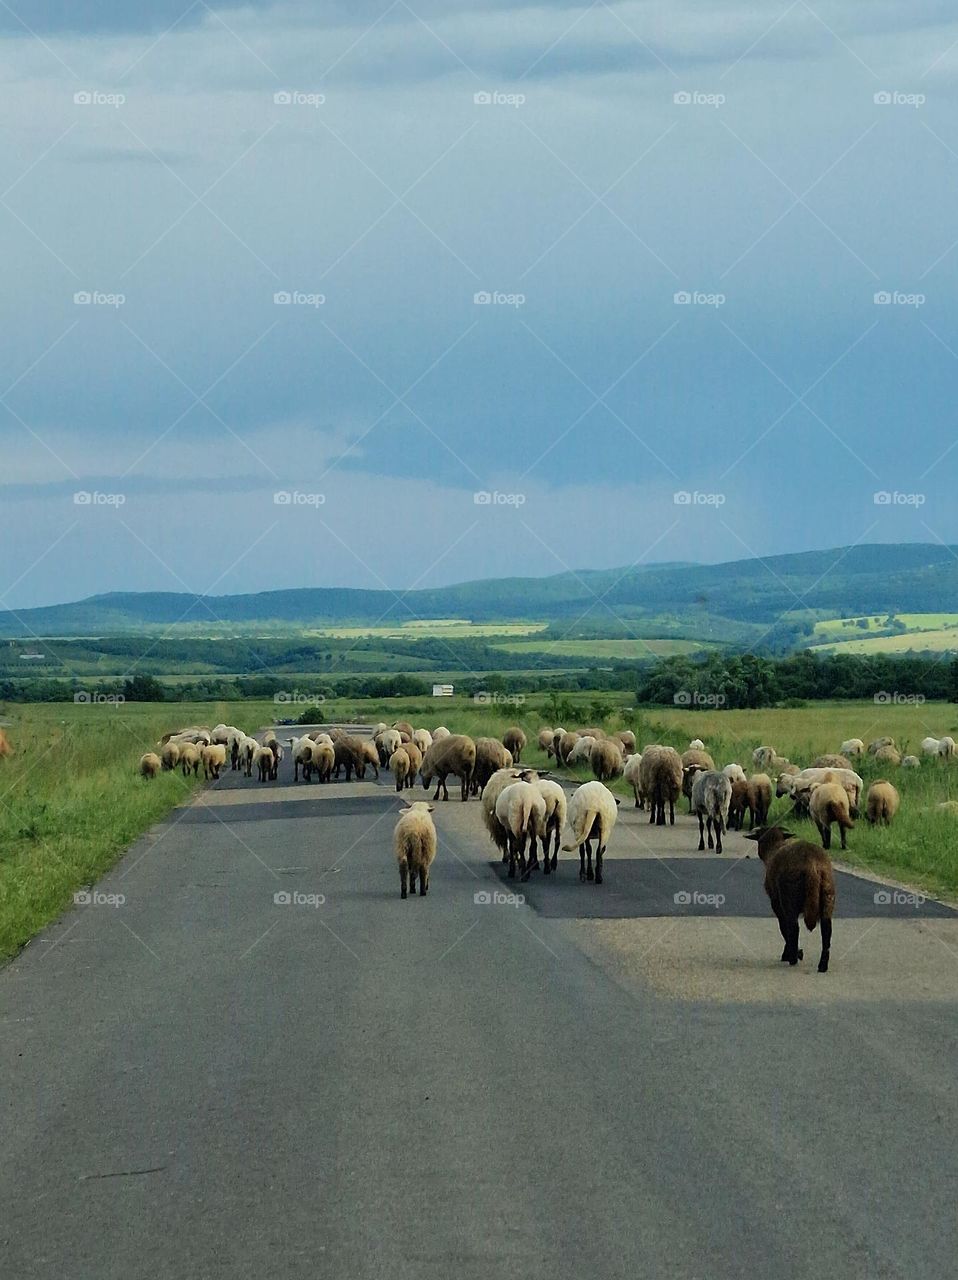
[938,641]
[606,648]
[834,629]
[447,628]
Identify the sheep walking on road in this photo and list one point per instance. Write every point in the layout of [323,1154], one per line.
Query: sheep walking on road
[799,880]
[711,793]
[414,842]
[593,810]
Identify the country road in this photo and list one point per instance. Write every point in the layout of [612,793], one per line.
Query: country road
[205,1079]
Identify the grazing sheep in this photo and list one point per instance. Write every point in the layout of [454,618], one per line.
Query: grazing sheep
[490,794]
[888,755]
[875,747]
[831,762]
[545,740]
[5,747]
[371,754]
[660,777]
[456,755]
[711,793]
[554,819]
[735,773]
[213,757]
[799,881]
[170,755]
[593,810]
[738,803]
[514,741]
[377,729]
[947,748]
[490,756]
[414,841]
[828,804]
[399,766]
[562,745]
[627,738]
[910,762]
[150,765]
[696,745]
[881,802]
[439,732]
[521,812]
[767,760]
[605,759]
[264,763]
[190,759]
[948,806]
[324,758]
[581,751]
[929,746]
[350,754]
[632,773]
[793,784]
[759,789]
[423,740]
[852,747]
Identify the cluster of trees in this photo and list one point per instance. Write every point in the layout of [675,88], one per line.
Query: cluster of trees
[746,680]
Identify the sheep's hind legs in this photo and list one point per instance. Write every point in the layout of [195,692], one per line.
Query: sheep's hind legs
[826,945]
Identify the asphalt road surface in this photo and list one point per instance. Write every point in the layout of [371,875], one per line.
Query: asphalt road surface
[261,1062]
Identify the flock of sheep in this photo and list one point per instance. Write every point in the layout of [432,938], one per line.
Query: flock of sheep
[525,811]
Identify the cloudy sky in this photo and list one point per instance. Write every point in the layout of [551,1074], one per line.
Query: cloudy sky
[286,286]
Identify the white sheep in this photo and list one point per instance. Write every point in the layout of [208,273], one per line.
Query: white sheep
[696,745]
[324,757]
[930,746]
[213,757]
[423,740]
[556,808]
[399,767]
[593,810]
[947,748]
[632,775]
[911,762]
[301,750]
[490,794]
[734,773]
[264,763]
[414,842]
[852,747]
[521,812]
[711,793]
[439,732]
[581,751]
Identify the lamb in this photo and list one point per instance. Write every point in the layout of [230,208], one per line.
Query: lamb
[545,741]
[799,881]
[593,810]
[759,789]
[554,818]
[456,755]
[490,794]
[213,757]
[735,773]
[423,740]
[852,747]
[881,802]
[190,759]
[828,804]
[910,762]
[521,812]
[414,841]
[581,751]
[660,777]
[490,756]
[170,755]
[831,762]
[264,762]
[605,759]
[711,793]
[888,755]
[324,757]
[632,774]
[514,741]
[150,765]
[399,767]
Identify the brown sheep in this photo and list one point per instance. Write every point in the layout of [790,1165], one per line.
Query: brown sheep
[660,779]
[888,754]
[563,744]
[265,763]
[403,726]
[150,765]
[399,766]
[605,759]
[415,762]
[545,741]
[627,738]
[514,741]
[490,756]
[349,753]
[828,804]
[456,755]
[324,757]
[190,759]
[371,754]
[759,790]
[831,762]
[881,802]
[736,805]
[5,747]
[799,880]
[414,841]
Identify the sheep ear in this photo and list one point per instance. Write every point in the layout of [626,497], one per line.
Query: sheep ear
[617,800]
[756,833]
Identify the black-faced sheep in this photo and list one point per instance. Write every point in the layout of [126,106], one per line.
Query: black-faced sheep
[829,804]
[453,755]
[660,776]
[881,802]
[414,842]
[593,810]
[799,881]
[711,793]
[150,765]
[514,741]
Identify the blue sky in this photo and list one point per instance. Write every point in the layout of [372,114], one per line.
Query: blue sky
[778,167]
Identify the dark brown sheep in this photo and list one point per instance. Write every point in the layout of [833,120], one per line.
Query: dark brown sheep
[737,805]
[799,881]
[350,753]
[514,740]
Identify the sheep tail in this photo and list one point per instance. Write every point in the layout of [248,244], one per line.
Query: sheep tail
[579,831]
[819,895]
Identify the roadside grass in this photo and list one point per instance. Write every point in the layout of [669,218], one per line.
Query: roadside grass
[71,800]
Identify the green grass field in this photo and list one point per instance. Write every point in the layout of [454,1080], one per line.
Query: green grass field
[71,800]
[442,628]
[606,648]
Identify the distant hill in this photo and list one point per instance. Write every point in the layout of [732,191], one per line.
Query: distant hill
[875,578]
